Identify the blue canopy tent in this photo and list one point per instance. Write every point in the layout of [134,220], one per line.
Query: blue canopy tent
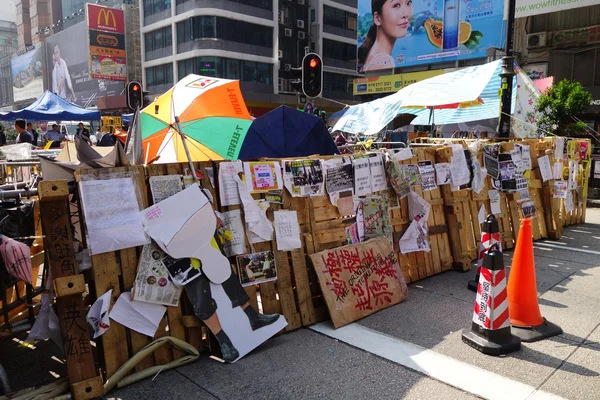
[51,107]
[126,118]
[285,132]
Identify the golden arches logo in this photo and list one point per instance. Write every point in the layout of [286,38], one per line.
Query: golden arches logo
[107,14]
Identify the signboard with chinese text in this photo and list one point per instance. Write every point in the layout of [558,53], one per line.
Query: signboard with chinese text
[107,43]
[359,279]
[390,83]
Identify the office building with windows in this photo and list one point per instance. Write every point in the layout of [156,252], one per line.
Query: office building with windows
[255,41]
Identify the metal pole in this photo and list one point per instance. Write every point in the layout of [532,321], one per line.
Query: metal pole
[507,74]
[187,152]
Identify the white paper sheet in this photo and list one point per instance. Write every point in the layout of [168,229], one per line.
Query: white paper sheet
[112,215]
[139,316]
[443,174]
[557,171]
[459,167]
[378,180]
[287,230]
[404,154]
[228,189]
[418,208]
[560,189]
[152,283]
[515,155]
[339,175]
[559,148]
[572,182]
[414,239]
[257,222]
[97,317]
[494,196]
[545,168]
[569,205]
[163,187]
[479,177]
[211,176]
[525,156]
[427,176]
[481,214]
[233,223]
[362,176]
[524,195]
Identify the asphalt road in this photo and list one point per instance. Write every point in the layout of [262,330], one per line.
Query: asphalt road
[310,365]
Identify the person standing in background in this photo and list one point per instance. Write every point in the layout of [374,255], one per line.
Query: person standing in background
[2,136]
[23,136]
[33,133]
[55,136]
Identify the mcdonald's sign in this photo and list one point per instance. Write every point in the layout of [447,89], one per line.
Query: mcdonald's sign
[105,19]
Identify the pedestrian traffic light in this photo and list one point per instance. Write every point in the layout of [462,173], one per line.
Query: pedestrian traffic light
[135,95]
[312,75]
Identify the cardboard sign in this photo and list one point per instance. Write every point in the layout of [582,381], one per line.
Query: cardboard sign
[359,279]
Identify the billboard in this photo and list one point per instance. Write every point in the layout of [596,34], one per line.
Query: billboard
[68,66]
[526,8]
[27,72]
[390,83]
[400,33]
[107,43]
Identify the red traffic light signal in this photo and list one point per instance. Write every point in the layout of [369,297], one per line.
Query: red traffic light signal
[134,94]
[312,75]
[313,63]
[135,88]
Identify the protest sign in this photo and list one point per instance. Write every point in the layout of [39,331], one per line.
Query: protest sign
[362,176]
[304,177]
[339,176]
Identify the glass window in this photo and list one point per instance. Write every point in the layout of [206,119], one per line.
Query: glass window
[337,82]
[212,27]
[152,7]
[339,50]
[158,39]
[247,71]
[233,69]
[339,18]
[313,15]
[159,75]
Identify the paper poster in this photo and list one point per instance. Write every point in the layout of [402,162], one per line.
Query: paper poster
[515,155]
[360,279]
[343,201]
[339,176]
[352,234]
[228,188]
[558,170]
[573,150]
[112,215]
[211,176]
[418,208]
[481,215]
[528,209]
[427,173]
[545,168]
[411,172]
[494,196]
[163,187]
[360,221]
[97,317]
[287,230]
[376,217]
[256,268]
[258,226]
[583,150]
[152,283]
[397,179]
[304,177]
[137,315]
[444,176]
[569,205]
[596,169]
[378,181]
[234,224]
[459,167]
[560,189]
[525,156]
[414,239]
[559,146]
[523,195]
[263,176]
[479,177]
[403,154]
[362,176]
[490,160]
[572,180]
[274,196]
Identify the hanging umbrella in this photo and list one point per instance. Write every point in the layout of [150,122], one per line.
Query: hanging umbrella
[210,114]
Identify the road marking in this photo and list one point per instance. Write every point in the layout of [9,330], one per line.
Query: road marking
[455,373]
[568,248]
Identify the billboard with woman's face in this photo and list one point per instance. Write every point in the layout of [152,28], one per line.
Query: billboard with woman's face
[402,33]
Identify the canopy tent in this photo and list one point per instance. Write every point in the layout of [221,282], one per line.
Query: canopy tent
[126,118]
[286,132]
[447,94]
[52,107]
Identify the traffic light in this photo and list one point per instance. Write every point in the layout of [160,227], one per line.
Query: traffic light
[312,75]
[135,95]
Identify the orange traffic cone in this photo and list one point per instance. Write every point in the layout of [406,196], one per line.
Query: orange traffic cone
[525,317]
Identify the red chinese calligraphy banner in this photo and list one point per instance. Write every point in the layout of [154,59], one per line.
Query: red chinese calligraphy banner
[360,279]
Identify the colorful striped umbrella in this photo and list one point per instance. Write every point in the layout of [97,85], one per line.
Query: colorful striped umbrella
[212,116]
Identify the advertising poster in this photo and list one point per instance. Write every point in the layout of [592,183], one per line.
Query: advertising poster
[376,217]
[107,43]
[403,33]
[68,66]
[27,74]
[263,176]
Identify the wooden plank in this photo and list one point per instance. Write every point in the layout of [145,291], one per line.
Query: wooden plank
[305,303]
[285,289]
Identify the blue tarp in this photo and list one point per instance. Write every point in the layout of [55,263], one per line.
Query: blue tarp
[285,132]
[50,107]
[126,118]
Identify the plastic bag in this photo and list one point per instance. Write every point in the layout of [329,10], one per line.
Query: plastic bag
[46,324]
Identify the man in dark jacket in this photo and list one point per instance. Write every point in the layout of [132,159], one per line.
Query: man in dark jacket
[83,133]
[23,135]
[33,133]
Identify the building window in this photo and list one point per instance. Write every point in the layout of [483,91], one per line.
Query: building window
[337,82]
[339,18]
[152,7]
[339,50]
[228,68]
[211,27]
[313,15]
[159,75]
[264,4]
[158,39]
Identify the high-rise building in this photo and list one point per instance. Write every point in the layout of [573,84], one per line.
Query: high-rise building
[255,41]
[23,24]
[8,46]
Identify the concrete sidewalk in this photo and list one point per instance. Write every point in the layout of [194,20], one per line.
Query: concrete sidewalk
[308,365]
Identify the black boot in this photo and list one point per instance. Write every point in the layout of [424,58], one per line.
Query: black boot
[228,351]
[257,320]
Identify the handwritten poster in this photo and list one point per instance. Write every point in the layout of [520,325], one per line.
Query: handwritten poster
[287,230]
[458,166]
[444,176]
[427,173]
[228,188]
[362,176]
[525,156]
[339,176]
[263,176]
[378,181]
[163,187]
[558,170]
[233,223]
[304,177]
[494,196]
[545,168]
[559,149]
[359,279]
[560,189]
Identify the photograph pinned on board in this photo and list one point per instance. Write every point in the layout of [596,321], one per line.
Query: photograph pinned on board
[490,160]
[182,271]
[274,196]
[256,268]
[304,177]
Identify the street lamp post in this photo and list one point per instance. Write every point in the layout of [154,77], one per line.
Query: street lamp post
[507,74]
